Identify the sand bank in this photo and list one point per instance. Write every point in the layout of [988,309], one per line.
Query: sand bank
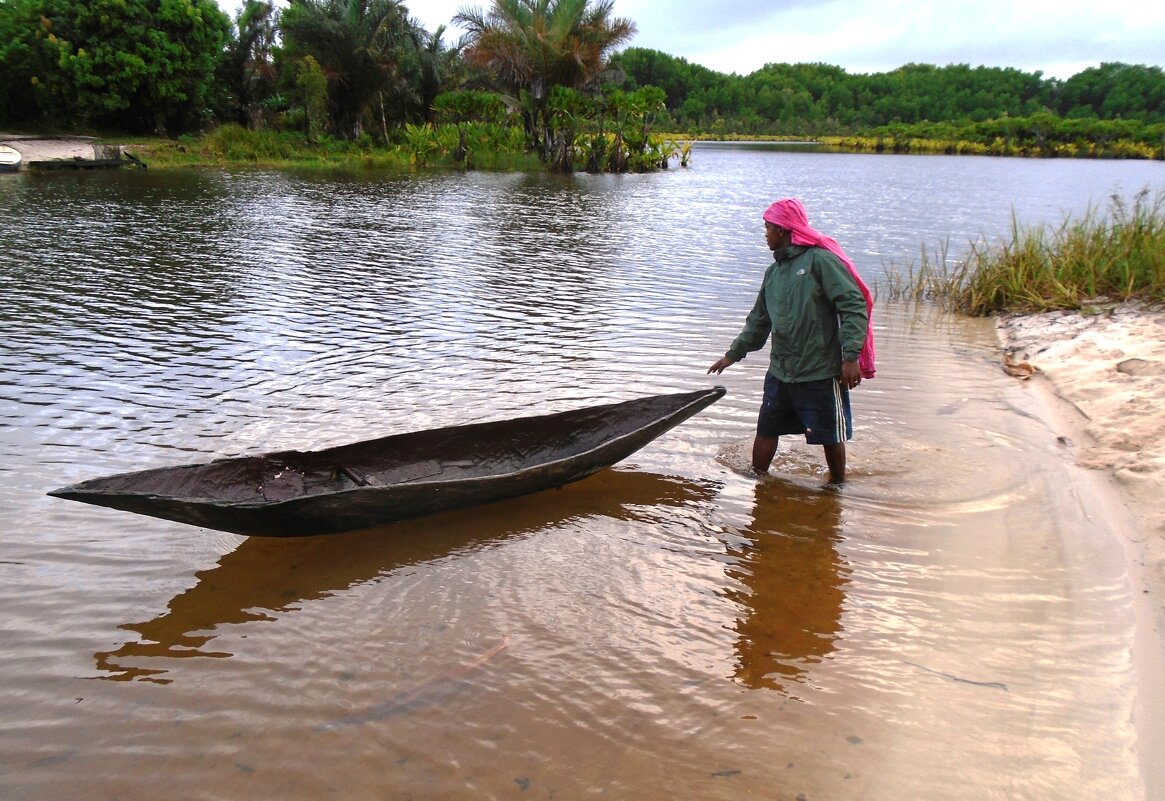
[68,149]
[1103,369]
[1107,363]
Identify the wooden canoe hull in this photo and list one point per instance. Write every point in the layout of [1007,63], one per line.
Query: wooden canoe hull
[381,481]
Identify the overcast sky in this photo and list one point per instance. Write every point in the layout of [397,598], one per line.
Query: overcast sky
[1057,37]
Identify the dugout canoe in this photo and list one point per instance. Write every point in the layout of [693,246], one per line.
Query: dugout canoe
[380,481]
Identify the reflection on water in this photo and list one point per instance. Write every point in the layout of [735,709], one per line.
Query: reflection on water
[433,690]
[793,584]
[266,575]
[672,629]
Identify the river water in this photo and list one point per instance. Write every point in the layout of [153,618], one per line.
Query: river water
[954,623]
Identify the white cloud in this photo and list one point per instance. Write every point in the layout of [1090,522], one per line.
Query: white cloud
[1058,38]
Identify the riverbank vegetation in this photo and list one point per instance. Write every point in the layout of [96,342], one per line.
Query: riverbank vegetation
[1114,110]
[360,82]
[1118,255]
[1041,135]
[329,81]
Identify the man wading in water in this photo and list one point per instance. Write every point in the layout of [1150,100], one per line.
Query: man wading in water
[817,310]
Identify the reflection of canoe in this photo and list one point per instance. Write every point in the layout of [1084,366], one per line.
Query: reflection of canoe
[365,484]
[9,159]
[266,578]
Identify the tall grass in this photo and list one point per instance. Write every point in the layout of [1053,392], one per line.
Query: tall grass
[478,146]
[935,279]
[1119,255]
[235,143]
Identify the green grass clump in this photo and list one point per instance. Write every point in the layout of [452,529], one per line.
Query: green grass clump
[236,143]
[423,146]
[1119,256]
[934,279]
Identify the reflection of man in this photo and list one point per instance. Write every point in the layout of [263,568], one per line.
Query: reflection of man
[793,579]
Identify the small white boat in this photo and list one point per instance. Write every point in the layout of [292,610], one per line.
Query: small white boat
[9,159]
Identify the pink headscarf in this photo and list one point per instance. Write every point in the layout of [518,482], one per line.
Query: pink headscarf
[790,215]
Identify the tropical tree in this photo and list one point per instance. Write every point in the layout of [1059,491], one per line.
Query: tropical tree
[247,72]
[532,46]
[313,91]
[137,65]
[1115,90]
[441,68]
[569,108]
[369,52]
[30,79]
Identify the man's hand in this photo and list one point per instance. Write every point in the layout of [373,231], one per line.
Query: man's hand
[851,374]
[720,364]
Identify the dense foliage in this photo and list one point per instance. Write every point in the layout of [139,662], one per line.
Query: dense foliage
[1114,110]
[370,52]
[364,71]
[137,65]
[818,98]
[533,46]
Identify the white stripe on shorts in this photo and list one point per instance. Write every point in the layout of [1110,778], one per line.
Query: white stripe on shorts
[838,413]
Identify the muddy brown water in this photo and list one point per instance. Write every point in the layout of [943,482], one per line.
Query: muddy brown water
[954,623]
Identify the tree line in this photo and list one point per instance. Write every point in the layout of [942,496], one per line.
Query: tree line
[1014,110]
[364,70]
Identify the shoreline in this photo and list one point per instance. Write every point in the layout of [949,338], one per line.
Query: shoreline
[77,152]
[163,152]
[1098,374]
[1105,363]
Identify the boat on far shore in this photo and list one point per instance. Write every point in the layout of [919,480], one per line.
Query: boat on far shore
[10,159]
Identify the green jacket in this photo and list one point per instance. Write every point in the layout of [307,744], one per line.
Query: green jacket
[805,293]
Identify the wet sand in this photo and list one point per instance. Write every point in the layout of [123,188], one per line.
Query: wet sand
[1106,367]
[1101,371]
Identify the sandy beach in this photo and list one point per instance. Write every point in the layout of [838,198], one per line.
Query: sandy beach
[1100,371]
[1104,367]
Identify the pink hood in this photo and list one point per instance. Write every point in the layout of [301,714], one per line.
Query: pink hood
[790,215]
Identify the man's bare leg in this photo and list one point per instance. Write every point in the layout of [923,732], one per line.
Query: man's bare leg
[835,459]
[763,451]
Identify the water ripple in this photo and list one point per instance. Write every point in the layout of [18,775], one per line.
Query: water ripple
[950,624]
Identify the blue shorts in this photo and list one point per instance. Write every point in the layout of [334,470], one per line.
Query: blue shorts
[817,409]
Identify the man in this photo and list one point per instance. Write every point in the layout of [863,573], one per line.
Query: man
[816,309]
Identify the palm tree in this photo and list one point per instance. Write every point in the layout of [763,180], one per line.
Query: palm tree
[533,45]
[247,67]
[368,49]
[441,67]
